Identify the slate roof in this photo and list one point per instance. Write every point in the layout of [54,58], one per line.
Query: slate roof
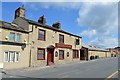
[93,48]
[48,27]
[11,26]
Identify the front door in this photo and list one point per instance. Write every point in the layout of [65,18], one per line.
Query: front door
[50,56]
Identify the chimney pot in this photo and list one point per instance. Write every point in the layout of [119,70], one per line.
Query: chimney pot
[57,25]
[20,12]
[42,20]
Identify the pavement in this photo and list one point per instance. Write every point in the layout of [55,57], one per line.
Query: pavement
[0,73]
[99,68]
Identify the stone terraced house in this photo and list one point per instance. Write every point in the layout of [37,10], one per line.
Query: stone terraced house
[27,43]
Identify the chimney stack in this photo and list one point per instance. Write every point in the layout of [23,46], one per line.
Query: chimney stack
[42,20]
[56,25]
[20,12]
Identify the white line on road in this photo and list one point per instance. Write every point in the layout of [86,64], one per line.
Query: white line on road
[112,75]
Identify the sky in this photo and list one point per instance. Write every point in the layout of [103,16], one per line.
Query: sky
[95,22]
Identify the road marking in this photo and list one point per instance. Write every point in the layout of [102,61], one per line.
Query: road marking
[111,76]
[66,76]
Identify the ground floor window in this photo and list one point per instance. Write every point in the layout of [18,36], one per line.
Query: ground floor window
[11,56]
[61,54]
[41,54]
[75,54]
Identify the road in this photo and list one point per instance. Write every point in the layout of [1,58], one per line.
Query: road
[100,68]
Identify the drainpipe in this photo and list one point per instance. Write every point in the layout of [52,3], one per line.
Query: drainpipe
[30,59]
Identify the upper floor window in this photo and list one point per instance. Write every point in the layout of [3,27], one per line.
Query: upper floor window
[15,37]
[41,34]
[75,54]
[12,36]
[18,37]
[61,38]
[41,54]
[77,42]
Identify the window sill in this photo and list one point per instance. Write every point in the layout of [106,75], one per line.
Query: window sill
[75,58]
[61,43]
[61,59]
[42,39]
[40,59]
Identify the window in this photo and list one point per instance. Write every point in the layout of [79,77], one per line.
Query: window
[41,54]
[61,54]
[61,38]
[77,42]
[41,34]
[18,37]
[11,56]
[6,56]
[17,56]
[75,54]
[12,36]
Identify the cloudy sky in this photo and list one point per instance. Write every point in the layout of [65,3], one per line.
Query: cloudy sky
[95,22]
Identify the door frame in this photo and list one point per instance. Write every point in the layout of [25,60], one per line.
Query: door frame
[85,53]
[49,50]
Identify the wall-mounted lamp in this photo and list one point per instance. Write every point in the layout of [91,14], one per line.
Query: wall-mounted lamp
[25,40]
[6,37]
[53,36]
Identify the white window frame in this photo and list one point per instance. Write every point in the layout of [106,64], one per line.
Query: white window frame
[17,36]
[5,56]
[18,56]
[10,60]
[13,36]
[15,59]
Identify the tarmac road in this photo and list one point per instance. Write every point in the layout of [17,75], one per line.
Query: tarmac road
[100,68]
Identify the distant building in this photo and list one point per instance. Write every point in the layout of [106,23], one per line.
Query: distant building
[115,50]
[89,52]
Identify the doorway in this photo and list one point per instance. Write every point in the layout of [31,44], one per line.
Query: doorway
[82,54]
[50,56]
